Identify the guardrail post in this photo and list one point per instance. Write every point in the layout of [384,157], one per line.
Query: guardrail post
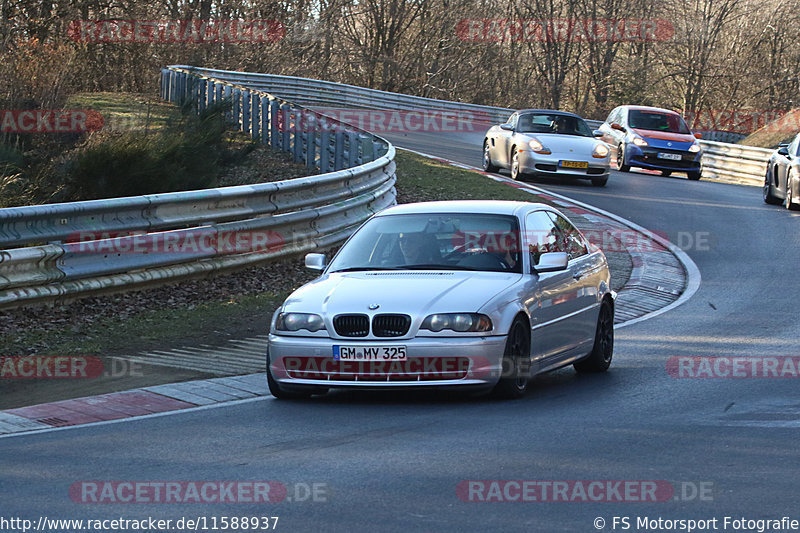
[176,87]
[364,149]
[265,129]
[285,126]
[255,116]
[180,93]
[210,94]
[199,95]
[297,136]
[352,148]
[237,107]
[338,150]
[367,149]
[274,122]
[226,95]
[378,149]
[310,140]
[173,76]
[163,87]
[245,111]
[217,92]
[325,151]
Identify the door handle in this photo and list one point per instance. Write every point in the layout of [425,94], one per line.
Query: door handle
[577,276]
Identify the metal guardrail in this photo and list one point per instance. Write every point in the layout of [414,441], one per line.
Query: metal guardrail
[319,93]
[720,160]
[145,240]
[734,162]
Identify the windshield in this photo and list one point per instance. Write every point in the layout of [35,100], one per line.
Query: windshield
[433,242]
[657,121]
[553,123]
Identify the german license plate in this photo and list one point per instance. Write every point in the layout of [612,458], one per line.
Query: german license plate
[369,353]
[673,157]
[574,164]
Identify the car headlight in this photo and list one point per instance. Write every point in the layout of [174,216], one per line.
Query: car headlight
[600,151]
[694,148]
[298,321]
[538,147]
[638,141]
[460,322]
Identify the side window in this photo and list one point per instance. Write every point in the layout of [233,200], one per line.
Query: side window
[541,235]
[612,117]
[571,240]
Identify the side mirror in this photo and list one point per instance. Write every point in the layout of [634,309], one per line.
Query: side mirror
[598,133]
[552,262]
[315,261]
[698,135]
[616,126]
[783,150]
[507,127]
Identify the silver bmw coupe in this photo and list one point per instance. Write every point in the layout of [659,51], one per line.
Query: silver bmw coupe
[479,294]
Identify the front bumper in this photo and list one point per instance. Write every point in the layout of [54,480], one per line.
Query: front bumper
[550,165]
[432,362]
[647,157]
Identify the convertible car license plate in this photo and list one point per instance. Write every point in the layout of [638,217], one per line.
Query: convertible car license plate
[674,157]
[574,164]
[369,353]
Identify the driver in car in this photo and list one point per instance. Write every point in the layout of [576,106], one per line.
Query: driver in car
[419,248]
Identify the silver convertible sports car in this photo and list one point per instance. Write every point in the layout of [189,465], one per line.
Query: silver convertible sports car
[542,142]
[782,181]
[478,295]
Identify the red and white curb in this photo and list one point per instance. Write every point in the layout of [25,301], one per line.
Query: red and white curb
[136,403]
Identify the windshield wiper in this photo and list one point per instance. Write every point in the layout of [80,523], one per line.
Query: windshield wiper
[435,267]
[364,269]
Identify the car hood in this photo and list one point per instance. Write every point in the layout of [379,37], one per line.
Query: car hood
[659,139]
[566,144]
[416,293]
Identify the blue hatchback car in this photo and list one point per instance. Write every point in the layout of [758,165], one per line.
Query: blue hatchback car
[654,139]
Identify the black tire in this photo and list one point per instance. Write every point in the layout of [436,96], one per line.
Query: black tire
[516,363]
[769,197]
[599,359]
[516,173]
[666,173]
[488,166]
[788,201]
[296,393]
[621,159]
[600,182]
[694,176]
